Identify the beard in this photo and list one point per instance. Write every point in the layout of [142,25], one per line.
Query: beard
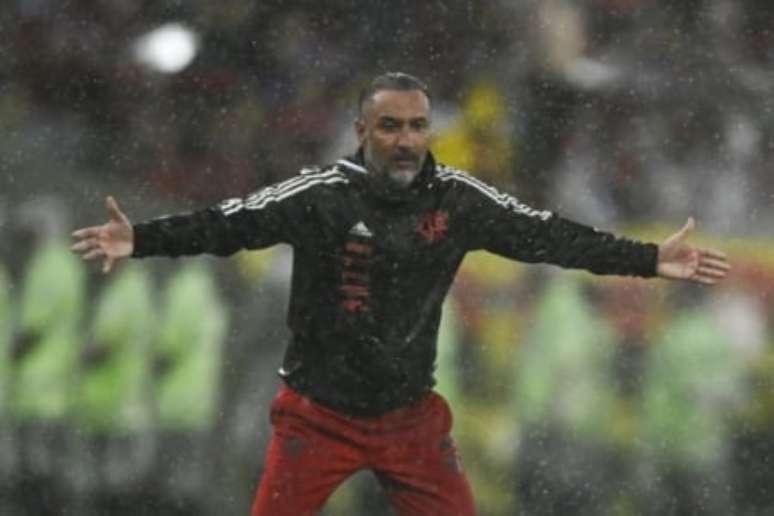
[394,183]
[401,178]
[397,172]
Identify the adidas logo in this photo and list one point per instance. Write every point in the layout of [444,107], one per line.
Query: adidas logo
[360,229]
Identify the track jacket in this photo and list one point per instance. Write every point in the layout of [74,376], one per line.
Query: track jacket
[371,270]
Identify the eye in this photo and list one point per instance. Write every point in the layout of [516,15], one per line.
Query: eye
[419,124]
[389,124]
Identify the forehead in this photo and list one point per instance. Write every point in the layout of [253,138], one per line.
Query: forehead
[405,104]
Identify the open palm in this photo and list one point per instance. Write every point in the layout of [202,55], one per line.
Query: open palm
[680,261]
[111,241]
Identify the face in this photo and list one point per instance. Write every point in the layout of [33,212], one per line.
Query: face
[394,132]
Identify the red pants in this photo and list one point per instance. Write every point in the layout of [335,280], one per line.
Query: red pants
[314,449]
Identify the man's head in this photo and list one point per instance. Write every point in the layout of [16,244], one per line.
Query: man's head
[393,128]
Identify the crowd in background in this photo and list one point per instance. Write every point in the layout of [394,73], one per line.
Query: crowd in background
[625,114]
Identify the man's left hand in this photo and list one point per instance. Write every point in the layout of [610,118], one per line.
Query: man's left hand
[680,261]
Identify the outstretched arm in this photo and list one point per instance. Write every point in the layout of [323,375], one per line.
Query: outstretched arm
[277,213]
[111,241]
[509,228]
[680,261]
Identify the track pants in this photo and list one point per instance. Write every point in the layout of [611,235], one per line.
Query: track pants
[314,449]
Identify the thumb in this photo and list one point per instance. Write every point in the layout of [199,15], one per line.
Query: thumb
[114,211]
[686,230]
[676,239]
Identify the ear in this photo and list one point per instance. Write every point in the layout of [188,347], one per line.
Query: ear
[360,129]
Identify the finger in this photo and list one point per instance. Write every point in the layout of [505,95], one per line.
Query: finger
[113,209]
[711,273]
[715,264]
[84,245]
[94,253]
[704,280]
[92,231]
[711,253]
[714,270]
[107,265]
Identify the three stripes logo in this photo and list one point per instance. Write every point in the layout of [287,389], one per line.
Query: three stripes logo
[446,173]
[286,189]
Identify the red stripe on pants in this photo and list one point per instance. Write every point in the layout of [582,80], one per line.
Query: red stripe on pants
[314,449]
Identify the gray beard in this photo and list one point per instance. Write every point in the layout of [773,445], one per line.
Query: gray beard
[390,188]
[384,182]
[399,179]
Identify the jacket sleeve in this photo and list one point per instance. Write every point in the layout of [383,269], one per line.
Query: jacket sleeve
[503,225]
[278,213]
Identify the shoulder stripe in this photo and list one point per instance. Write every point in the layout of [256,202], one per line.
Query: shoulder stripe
[305,176]
[448,172]
[352,166]
[464,178]
[503,199]
[279,191]
[258,204]
[288,184]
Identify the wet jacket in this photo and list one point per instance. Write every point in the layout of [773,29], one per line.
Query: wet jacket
[371,268]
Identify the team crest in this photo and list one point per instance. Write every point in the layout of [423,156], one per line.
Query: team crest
[433,226]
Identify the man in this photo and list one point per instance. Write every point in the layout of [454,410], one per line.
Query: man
[563,401]
[45,371]
[112,412]
[7,444]
[685,428]
[188,357]
[377,238]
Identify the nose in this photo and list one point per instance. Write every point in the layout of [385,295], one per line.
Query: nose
[406,138]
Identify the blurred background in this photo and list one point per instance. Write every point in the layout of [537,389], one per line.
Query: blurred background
[147,391]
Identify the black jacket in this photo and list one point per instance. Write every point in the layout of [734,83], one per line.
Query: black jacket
[370,270]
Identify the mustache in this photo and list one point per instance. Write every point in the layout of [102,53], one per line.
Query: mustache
[405,156]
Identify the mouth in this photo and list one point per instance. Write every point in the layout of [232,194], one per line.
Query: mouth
[405,161]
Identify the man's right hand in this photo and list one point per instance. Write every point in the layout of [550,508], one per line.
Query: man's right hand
[111,241]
